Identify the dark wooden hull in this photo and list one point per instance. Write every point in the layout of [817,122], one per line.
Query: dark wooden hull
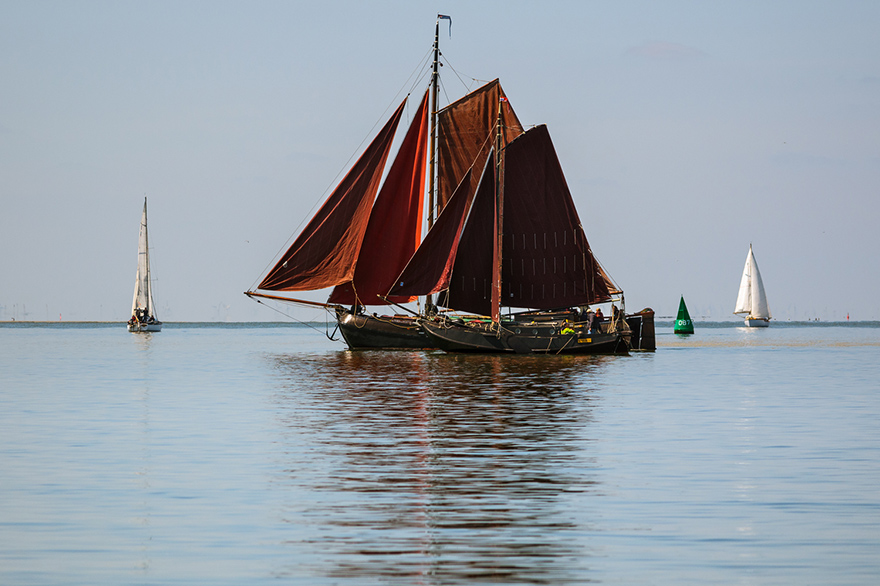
[641,325]
[365,332]
[522,338]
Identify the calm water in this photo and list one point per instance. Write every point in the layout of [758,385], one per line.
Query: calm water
[250,454]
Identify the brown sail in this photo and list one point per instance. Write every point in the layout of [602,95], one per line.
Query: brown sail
[326,251]
[465,135]
[395,226]
[430,268]
[546,261]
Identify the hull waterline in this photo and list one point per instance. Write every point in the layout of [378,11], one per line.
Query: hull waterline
[369,332]
[141,327]
[523,338]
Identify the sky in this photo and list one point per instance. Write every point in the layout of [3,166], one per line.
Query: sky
[687,130]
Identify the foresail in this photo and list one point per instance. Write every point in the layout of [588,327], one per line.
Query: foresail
[470,283]
[325,253]
[395,226]
[430,268]
[465,134]
[744,296]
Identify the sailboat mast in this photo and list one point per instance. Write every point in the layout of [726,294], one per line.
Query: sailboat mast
[432,156]
[149,304]
[432,149]
[499,217]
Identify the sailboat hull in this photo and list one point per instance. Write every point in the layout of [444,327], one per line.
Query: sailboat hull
[522,338]
[369,332]
[141,327]
[756,322]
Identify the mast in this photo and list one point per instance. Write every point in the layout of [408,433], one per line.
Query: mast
[499,217]
[147,287]
[432,149]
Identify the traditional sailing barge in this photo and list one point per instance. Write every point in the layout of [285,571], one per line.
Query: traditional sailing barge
[508,234]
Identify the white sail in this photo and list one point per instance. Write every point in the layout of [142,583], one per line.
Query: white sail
[143,309]
[752,300]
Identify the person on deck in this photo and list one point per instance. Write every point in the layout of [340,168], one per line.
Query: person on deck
[597,321]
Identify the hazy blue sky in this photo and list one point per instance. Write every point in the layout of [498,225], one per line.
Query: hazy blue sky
[686,130]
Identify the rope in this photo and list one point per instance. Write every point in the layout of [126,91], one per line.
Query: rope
[288,316]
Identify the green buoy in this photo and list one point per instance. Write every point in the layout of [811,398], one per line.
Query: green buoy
[683,323]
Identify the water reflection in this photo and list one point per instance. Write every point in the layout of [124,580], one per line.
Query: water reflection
[448,469]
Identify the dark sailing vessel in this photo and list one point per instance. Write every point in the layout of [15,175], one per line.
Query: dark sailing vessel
[370,251]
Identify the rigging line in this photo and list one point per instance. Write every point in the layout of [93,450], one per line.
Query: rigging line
[459,76]
[445,94]
[406,309]
[305,323]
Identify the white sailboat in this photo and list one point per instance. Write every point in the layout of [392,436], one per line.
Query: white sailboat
[752,300]
[143,310]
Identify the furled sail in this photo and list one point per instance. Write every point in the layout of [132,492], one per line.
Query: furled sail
[395,227]
[325,253]
[466,134]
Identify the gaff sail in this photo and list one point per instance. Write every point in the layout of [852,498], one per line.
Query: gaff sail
[465,135]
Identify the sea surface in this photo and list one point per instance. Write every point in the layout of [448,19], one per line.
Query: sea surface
[242,454]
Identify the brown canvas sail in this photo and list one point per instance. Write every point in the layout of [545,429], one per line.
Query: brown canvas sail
[430,268]
[466,134]
[395,226]
[545,259]
[326,251]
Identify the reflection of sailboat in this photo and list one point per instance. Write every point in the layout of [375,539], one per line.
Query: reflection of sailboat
[359,246]
[752,300]
[143,310]
[408,441]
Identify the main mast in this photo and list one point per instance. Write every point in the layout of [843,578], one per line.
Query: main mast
[432,150]
[432,156]
[499,216]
